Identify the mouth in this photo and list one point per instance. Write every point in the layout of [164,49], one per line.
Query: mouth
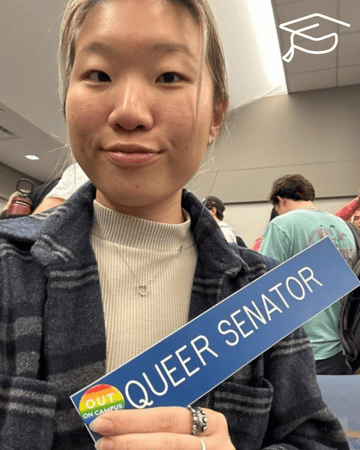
[131,154]
[129,149]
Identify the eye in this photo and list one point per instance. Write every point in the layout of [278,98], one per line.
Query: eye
[98,76]
[169,77]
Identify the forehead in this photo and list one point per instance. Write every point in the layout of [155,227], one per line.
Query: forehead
[137,24]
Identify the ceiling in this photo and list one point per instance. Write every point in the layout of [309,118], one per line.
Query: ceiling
[339,67]
[29,105]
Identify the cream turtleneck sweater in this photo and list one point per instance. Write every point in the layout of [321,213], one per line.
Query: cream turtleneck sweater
[133,253]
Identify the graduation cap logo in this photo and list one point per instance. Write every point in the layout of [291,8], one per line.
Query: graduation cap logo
[292,27]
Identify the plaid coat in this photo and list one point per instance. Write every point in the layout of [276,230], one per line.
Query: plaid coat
[52,339]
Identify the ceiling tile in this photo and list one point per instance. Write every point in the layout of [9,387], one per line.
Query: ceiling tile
[292,11]
[349,75]
[350,13]
[349,49]
[312,80]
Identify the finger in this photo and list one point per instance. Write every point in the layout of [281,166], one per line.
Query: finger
[151,441]
[154,420]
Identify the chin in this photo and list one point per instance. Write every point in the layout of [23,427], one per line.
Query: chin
[136,198]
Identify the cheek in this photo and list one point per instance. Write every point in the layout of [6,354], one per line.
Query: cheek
[185,123]
[181,108]
[82,113]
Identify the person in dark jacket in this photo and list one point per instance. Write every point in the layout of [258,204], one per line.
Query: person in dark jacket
[34,197]
[132,256]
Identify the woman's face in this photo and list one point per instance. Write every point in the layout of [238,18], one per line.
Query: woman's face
[134,123]
[356,220]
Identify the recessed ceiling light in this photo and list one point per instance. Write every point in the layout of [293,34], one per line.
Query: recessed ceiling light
[32,157]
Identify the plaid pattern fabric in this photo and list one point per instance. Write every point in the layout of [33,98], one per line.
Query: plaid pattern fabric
[52,338]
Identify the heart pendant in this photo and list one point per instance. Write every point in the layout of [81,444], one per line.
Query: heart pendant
[142,289]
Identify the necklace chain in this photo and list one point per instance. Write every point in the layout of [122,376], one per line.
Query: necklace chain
[143,288]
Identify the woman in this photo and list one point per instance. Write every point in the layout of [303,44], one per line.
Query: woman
[349,210]
[356,218]
[133,256]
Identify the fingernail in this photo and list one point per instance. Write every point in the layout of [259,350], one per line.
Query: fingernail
[101,426]
[104,444]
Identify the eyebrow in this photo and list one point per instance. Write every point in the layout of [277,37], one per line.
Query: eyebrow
[169,47]
[162,47]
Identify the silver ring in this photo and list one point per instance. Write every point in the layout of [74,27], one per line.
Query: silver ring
[199,420]
[203,445]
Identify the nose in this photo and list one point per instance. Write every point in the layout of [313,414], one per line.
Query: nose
[131,107]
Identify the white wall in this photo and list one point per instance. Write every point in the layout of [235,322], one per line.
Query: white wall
[315,134]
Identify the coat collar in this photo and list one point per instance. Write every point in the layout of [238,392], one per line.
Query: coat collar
[62,234]
[214,252]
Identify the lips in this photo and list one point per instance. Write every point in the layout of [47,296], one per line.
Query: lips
[131,154]
[129,148]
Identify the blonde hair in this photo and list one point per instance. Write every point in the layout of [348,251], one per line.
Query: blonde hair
[77,10]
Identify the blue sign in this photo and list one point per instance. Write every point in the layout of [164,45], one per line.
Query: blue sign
[194,359]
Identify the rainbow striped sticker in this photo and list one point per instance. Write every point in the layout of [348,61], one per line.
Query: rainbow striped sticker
[99,399]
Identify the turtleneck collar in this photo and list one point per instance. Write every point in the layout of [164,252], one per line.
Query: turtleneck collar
[135,232]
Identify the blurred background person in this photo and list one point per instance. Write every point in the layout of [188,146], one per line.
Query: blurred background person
[356,218]
[350,210]
[217,208]
[257,244]
[299,225]
[72,178]
[26,198]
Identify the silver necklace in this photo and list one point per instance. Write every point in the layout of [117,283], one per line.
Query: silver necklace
[143,288]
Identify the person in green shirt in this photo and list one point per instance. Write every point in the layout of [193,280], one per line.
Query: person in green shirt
[300,224]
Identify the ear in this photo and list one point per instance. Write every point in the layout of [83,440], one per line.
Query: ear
[282,201]
[218,120]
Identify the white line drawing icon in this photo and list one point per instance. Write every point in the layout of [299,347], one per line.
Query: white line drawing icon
[290,54]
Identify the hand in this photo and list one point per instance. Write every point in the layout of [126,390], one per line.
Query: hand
[159,429]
